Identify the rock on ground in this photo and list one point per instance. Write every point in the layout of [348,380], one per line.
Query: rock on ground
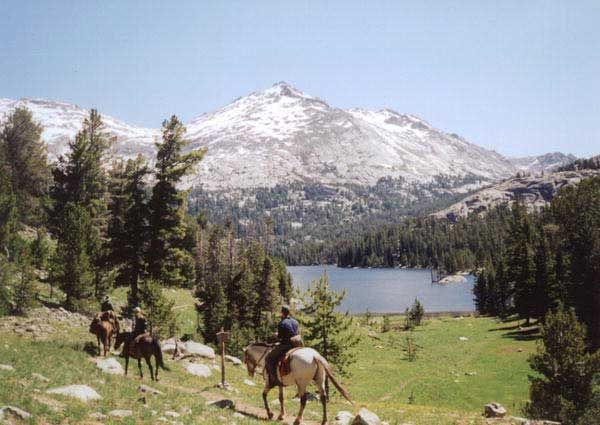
[172,414]
[98,415]
[222,404]
[198,349]
[80,392]
[233,360]
[110,365]
[366,417]
[343,418]
[40,377]
[6,367]
[198,369]
[249,383]
[494,410]
[149,390]
[120,413]
[14,411]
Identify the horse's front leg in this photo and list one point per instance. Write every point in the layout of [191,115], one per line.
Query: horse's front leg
[126,364]
[303,398]
[99,347]
[282,410]
[140,367]
[264,394]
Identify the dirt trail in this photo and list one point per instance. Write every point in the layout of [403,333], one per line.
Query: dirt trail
[253,411]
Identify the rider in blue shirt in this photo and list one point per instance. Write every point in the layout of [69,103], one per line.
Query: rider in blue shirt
[286,329]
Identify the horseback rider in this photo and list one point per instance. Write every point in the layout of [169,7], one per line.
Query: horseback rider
[288,335]
[140,325]
[106,305]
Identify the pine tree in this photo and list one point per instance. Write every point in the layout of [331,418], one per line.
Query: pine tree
[71,267]
[162,319]
[129,230]
[80,194]
[563,388]
[168,261]
[25,289]
[213,294]
[27,167]
[544,287]
[326,330]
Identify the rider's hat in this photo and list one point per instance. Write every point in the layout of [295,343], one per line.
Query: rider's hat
[285,309]
[137,310]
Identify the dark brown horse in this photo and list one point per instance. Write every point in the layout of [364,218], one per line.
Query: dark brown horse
[104,325]
[143,346]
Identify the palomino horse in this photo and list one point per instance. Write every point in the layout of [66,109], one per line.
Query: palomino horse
[104,325]
[306,365]
[144,346]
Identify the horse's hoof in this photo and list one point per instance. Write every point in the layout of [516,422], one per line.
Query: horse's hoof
[280,417]
[270,415]
[297,422]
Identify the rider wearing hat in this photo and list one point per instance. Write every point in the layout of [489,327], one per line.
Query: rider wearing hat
[287,329]
[106,305]
[139,327]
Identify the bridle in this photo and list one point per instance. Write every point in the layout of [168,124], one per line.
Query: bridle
[257,362]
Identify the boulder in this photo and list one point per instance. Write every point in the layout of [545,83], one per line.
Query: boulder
[39,377]
[233,360]
[198,349]
[463,338]
[80,392]
[494,410]
[224,403]
[366,417]
[8,411]
[198,369]
[98,415]
[249,383]
[110,365]
[343,418]
[6,367]
[120,413]
[149,390]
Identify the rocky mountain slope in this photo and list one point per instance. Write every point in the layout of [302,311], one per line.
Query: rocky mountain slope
[281,135]
[535,192]
[542,163]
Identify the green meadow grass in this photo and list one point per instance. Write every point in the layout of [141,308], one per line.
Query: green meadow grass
[449,382]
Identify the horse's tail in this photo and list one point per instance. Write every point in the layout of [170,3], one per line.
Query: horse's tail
[323,363]
[158,354]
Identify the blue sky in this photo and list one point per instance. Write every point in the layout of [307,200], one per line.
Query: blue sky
[521,77]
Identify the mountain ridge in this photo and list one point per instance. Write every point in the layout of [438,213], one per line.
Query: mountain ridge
[282,135]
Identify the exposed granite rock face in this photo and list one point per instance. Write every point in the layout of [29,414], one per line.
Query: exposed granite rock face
[536,192]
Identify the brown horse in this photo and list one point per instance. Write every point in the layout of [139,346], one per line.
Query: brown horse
[144,346]
[104,325]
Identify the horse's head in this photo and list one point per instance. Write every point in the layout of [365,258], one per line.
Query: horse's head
[120,339]
[254,356]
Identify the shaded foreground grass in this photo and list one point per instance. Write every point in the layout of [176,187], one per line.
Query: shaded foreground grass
[463,363]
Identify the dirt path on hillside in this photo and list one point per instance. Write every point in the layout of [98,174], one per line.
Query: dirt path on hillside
[253,411]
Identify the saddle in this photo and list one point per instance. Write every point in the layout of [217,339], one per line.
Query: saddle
[284,364]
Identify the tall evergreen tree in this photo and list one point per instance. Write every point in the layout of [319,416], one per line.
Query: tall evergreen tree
[72,267]
[168,261]
[80,198]
[326,330]
[27,168]
[563,388]
[213,294]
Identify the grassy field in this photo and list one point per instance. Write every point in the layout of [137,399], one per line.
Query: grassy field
[462,364]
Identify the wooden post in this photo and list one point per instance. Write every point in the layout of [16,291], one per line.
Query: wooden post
[222,338]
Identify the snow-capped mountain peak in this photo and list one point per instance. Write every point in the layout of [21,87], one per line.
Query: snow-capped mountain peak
[281,135]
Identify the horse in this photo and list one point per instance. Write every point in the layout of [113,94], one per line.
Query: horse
[144,346]
[103,326]
[306,365]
